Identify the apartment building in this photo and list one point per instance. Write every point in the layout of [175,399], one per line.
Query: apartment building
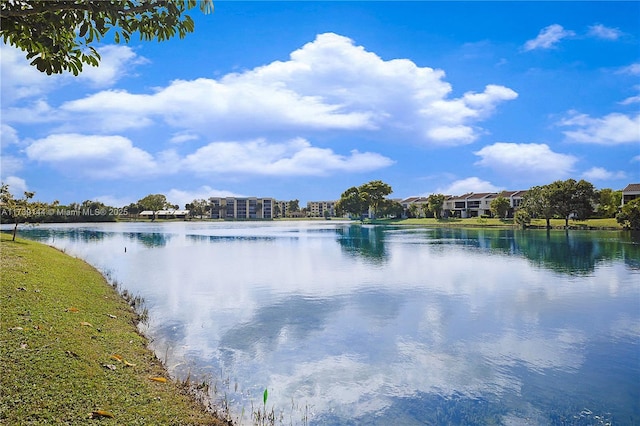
[318,208]
[242,208]
[418,201]
[478,204]
[630,192]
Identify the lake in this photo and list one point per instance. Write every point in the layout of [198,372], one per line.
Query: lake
[349,324]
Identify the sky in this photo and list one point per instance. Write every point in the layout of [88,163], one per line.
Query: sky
[302,100]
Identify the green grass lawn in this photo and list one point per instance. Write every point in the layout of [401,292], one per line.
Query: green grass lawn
[70,349]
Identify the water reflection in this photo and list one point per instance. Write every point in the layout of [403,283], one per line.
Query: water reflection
[571,252]
[365,241]
[149,239]
[374,325]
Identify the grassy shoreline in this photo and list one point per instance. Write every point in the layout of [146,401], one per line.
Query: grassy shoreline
[70,349]
[606,224]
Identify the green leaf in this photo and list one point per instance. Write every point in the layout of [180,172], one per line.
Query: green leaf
[265,396]
[83,28]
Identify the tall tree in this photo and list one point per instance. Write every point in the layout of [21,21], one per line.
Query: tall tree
[374,193]
[18,209]
[435,202]
[154,202]
[629,216]
[391,208]
[425,209]
[198,207]
[500,206]
[609,202]
[572,198]
[352,202]
[537,202]
[413,209]
[60,35]
[293,206]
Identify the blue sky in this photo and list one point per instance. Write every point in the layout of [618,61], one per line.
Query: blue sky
[302,100]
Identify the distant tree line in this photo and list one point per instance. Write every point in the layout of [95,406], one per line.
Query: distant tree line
[568,199]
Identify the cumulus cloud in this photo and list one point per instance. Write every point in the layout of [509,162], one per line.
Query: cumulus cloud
[600,173]
[19,79]
[532,157]
[93,156]
[17,186]
[600,31]
[182,197]
[98,157]
[328,84]
[8,136]
[612,129]
[116,62]
[548,37]
[296,157]
[471,184]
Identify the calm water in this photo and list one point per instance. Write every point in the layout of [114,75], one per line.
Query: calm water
[350,324]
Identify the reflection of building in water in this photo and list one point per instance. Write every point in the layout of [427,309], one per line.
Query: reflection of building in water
[631,192]
[242,208]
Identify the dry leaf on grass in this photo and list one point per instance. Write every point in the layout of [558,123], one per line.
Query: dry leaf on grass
[158,379]
[99,414]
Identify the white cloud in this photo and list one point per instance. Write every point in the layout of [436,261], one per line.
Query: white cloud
[328,84]
[182,197]
[37,111]
[548,37]
[635,159]
[296,157]
[8,136]
[93,156]
[633,69]
[19,79]
[116,62]
[630,100]
[600,31]
[99,157]
[599,173]
[17,186]
[612,129]
[531,157]
[183,137]
[114,201]
[471,184]
[9,165]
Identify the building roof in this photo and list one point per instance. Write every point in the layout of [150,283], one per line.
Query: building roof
[480,195]
[414,200]
[632,187]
